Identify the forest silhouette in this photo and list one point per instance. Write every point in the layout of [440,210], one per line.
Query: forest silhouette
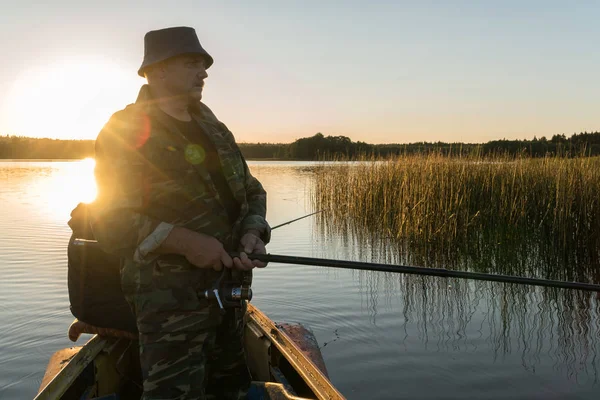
[320,146]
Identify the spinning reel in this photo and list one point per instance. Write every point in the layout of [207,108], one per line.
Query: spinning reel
[229,292]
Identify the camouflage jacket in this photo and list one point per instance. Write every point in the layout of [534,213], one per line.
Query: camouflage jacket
[150,178]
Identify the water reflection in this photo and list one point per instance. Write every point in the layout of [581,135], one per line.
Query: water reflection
[51,189]
[386,334]
[545,327]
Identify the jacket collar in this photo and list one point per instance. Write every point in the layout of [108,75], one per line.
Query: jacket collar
[149,105]
[203,116]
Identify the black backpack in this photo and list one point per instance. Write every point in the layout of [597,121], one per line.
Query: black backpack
[94,279]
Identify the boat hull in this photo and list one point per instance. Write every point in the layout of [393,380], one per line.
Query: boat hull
[284,360]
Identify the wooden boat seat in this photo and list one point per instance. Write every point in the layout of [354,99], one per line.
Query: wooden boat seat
[78,327]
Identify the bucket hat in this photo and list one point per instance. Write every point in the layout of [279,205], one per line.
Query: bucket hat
[162,44]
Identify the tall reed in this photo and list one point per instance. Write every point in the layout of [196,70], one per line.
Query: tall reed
[447,202]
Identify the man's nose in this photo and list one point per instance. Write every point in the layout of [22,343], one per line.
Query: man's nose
[202,74]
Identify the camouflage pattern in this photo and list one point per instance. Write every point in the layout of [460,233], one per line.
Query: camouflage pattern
[150,178]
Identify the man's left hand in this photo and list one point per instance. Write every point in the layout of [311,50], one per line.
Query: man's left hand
[251,243]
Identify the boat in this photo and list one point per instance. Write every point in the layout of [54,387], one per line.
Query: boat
[284,360]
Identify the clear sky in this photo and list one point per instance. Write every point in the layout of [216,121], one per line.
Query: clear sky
[376,71]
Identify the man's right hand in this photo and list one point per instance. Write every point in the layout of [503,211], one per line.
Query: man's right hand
[202,251]
[205,251]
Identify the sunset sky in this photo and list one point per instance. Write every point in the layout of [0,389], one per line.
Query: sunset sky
[376,71]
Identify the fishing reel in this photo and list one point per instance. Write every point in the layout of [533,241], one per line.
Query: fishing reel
[229,292]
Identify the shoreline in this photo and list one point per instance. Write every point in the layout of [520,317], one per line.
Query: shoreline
[85,158]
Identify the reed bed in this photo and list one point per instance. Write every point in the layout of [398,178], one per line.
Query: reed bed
[449,202]
[514,216]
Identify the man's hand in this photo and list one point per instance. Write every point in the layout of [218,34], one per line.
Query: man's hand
[200,250]
[250,243]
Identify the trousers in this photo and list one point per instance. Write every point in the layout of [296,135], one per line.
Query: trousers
[188,348]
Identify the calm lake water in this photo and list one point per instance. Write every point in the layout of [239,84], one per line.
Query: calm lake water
[383,336]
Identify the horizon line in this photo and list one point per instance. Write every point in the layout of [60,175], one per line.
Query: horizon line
[307,137]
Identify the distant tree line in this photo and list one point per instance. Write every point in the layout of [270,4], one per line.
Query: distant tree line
[320,146]
[584,143]
[19,147]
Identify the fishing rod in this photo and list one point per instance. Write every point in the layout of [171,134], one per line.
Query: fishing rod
[403,269]
[297,219]
[94,243]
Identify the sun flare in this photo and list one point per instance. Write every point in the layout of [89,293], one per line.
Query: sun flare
[88,190]
[70,183]
[70,99]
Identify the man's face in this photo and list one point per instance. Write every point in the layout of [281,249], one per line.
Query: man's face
[185,75]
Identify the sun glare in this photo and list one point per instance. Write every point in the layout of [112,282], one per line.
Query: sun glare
[88,191]
[67,184]
[70,99]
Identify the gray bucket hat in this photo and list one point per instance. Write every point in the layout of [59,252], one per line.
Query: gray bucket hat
[166,43]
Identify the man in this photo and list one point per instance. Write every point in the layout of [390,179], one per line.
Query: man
[175,196]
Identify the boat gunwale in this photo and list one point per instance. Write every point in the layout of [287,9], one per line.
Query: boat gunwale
[65,377]
[311,374]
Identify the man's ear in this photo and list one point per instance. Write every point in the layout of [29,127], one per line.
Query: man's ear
[156,72]
[161,70]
